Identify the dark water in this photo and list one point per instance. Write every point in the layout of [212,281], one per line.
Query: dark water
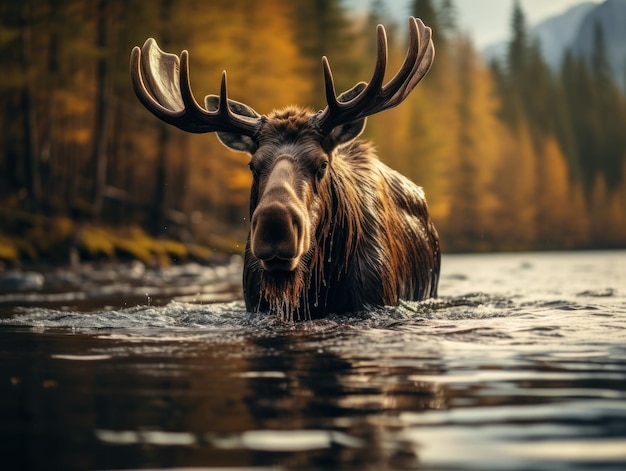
[521,365]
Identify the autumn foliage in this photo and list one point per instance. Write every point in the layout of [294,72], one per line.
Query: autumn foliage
[510,156]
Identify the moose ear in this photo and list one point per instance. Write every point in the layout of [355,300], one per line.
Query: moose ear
[234,141]
[348,131]
[342,134]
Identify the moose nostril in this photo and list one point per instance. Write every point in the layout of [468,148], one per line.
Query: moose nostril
[276,232]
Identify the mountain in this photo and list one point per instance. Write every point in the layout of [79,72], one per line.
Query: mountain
[555,34]
[558,33]
[611,15]
[574,30]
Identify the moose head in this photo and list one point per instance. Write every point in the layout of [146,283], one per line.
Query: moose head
[332,229]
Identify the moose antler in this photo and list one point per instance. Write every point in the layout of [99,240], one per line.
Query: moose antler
[161,83]
[367,100]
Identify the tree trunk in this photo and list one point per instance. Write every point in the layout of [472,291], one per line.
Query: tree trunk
[160,204]
[48,168]
[27,103]
[102,112]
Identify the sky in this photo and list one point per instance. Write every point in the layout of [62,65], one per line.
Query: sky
[487,21]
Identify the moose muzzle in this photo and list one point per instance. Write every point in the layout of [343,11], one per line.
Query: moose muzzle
[279,231]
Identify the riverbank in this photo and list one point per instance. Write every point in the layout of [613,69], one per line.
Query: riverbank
[38,239]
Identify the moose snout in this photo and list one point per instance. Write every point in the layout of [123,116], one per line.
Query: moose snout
[277,236]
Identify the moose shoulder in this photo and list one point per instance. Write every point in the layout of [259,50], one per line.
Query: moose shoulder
[332,229]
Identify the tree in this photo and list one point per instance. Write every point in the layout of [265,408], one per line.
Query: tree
[510,156]
[441,17]
[427,11]
[610,112]
[600,64]
[597,110]
[555,221]
[517,53]
[322,29]
[30,146]
[103,113]
[448,17]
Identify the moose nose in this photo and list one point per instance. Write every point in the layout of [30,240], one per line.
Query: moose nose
[276,237]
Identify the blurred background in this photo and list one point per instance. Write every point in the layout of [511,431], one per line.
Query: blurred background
[518,134]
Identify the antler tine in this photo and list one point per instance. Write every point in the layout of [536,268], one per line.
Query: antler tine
[223,107]
[375,97]
[411,58]
[194,113]
[329,85]
[335,108]
[374,86]
[418,67]
[162,84]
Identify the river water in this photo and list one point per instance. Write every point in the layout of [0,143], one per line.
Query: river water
[520,365]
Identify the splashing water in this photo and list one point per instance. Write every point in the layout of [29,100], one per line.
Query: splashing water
[521,364]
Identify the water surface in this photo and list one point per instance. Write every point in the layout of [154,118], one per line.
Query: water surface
[521,364]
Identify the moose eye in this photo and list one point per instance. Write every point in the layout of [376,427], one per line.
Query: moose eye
[322,169]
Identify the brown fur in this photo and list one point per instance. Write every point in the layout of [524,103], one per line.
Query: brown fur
[372,242]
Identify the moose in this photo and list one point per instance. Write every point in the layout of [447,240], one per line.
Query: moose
[332,229]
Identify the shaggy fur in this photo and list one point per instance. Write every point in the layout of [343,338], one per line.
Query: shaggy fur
[372,240]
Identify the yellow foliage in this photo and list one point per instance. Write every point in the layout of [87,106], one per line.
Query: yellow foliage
[258,49]
[137,249]
[558,216]
[97,242]
[489,185]
[175,250]
[8,250]
[133,242]
[51,236]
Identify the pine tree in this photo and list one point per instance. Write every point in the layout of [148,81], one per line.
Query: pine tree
[440,16]
[517,54]
[448,17]
[609,111]
[600,64]
[322,29]
[427,12]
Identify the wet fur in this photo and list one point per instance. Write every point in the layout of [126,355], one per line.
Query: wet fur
[373,242]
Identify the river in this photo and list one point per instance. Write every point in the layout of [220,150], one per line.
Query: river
[520,365]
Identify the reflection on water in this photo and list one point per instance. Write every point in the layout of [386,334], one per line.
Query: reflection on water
[520,365]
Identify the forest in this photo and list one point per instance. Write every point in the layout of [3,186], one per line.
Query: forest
[512,156]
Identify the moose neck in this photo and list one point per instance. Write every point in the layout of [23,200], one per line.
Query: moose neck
[338,237]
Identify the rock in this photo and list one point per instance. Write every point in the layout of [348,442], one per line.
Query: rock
[21,281]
